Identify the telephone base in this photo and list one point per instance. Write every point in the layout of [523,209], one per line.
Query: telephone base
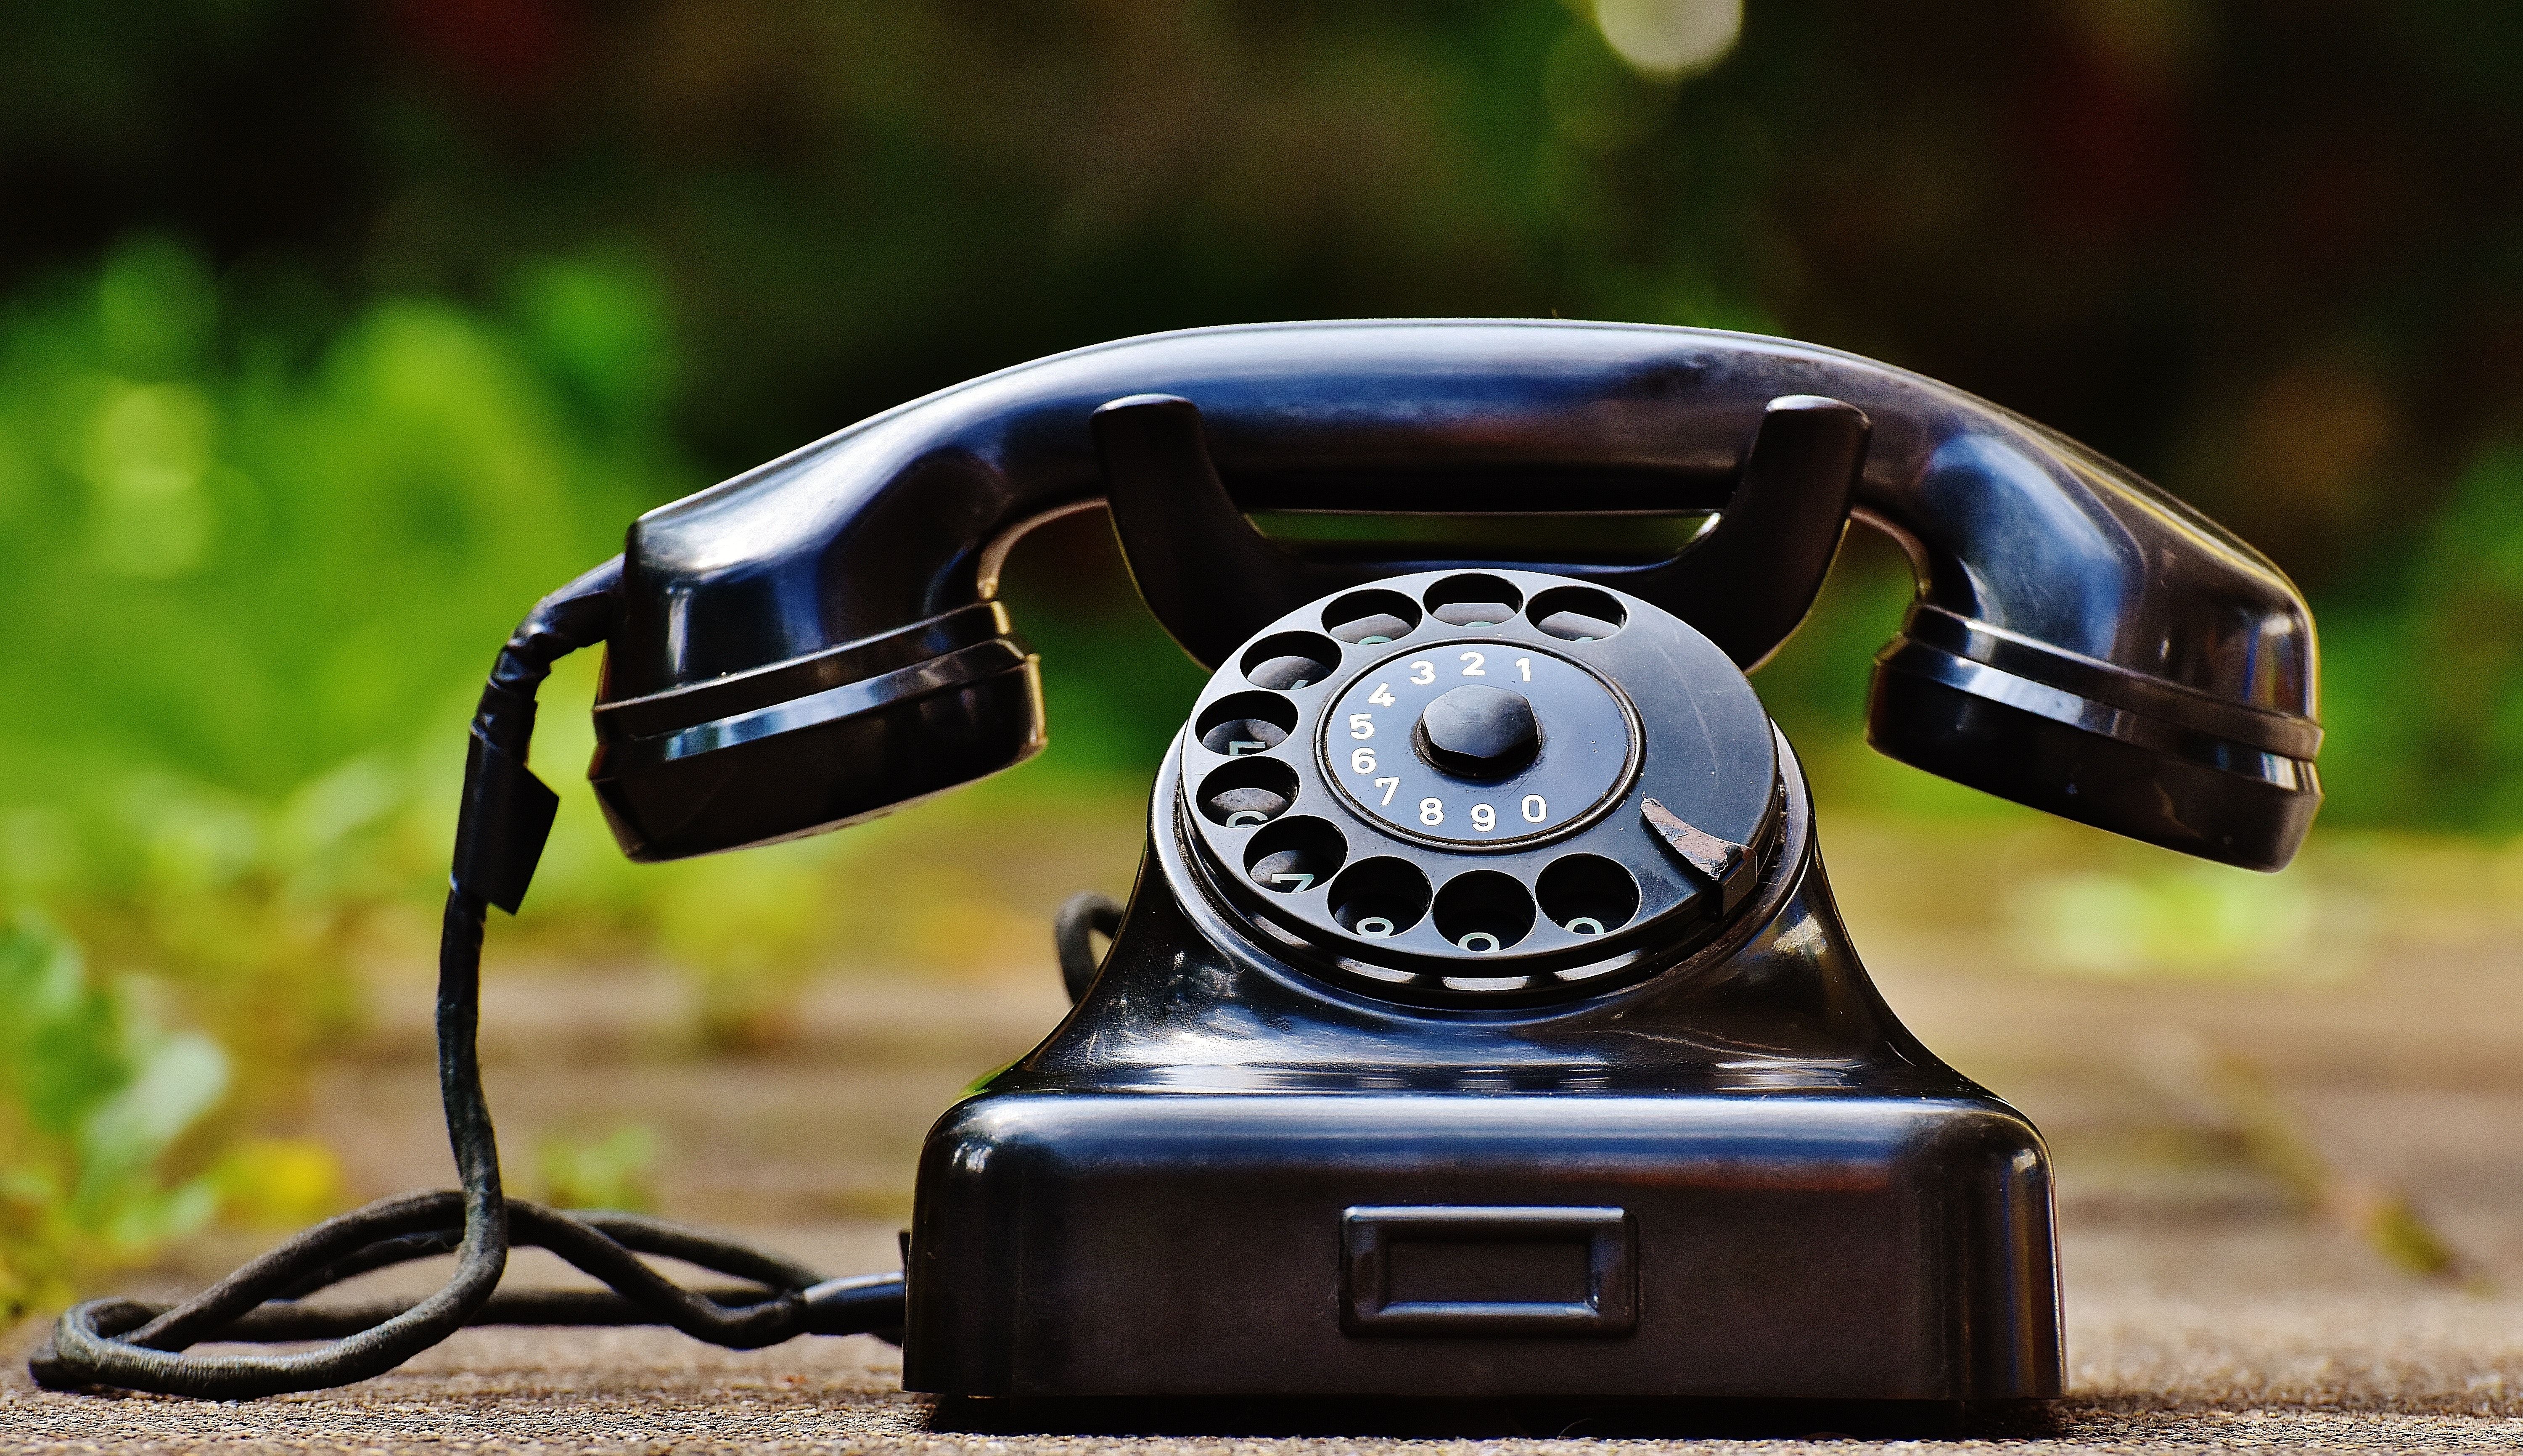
[1409,1418]
[1461,1244]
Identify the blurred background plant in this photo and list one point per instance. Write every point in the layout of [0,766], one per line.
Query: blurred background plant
[614,1171]
[93,1094]
[332,335]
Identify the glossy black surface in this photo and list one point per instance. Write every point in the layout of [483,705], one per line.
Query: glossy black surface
[1212,580]
[1314,810]
[824,760]
[1574,748]
[1478,732]
[1740,1178]
[2123,634]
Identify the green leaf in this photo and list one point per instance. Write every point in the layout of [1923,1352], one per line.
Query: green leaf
[183,1077]
[60,1048]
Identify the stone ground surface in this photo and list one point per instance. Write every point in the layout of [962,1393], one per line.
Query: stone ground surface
[2208,1308]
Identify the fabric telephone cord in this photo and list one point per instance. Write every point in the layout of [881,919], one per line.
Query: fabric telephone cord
[136,1345]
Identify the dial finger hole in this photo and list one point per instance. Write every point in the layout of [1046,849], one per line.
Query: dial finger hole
[1587,893]
[1376,899]
[1484,912]
[1473,599]
[1292,856]
[1368,619]
[1248,793]
[1244,723]
[1291,660]
[1578,614]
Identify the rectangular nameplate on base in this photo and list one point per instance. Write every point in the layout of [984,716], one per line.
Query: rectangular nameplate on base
[1464,1269]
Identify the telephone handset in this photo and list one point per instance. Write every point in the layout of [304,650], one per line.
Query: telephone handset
[2081,643]
[1481,1023]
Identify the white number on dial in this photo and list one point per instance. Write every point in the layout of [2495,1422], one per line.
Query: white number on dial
[1423,671]
[1361,724]
[1363,760]
[1382,697]
[1432,812]
[1472,662]
[1524,665]
[1483,818]
[1534,811]
[1388,785]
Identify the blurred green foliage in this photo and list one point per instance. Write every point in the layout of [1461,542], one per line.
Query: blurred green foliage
[245,557]
[2423,697]
[248,572]
[614,1171]
[92,1096]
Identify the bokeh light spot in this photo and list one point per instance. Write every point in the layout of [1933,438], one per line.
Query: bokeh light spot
[1670,37]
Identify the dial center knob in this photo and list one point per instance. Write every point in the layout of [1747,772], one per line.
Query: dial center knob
[1479,732]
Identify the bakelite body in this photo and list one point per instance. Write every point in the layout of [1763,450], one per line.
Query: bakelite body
[1602,1105]
[1163,1199]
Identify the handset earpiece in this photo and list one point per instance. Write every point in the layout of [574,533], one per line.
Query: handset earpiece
[2088,646]
[1212,580]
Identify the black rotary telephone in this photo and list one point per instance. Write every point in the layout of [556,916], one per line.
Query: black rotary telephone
[1481,1023]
